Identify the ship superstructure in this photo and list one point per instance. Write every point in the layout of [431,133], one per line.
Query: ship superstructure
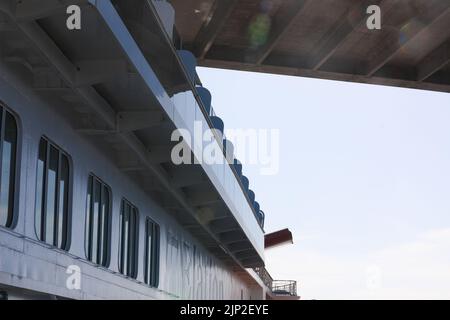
[88,186]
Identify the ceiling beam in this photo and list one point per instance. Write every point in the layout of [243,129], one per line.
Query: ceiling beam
[230,237]
[67,70]
[91,72]
[224,225]
[321,74]
[240,246]
[6,6]
[160,154]
[282,22]
[135,168]
[137,120]
[6,26]
[202,198]
[339,34]
[95,132]
[245,254]
[434,62]
[210,29]
[185,178]
[387,54]
[208,214]
[252,262]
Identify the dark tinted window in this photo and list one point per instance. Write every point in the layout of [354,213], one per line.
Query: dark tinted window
[52,195]
[129,222]
[8,150]
[151,253]
[98,218]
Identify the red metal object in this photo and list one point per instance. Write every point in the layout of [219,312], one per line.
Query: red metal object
[278,238]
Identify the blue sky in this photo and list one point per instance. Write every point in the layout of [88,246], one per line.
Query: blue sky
[364,182]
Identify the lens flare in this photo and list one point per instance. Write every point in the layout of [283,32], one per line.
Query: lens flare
[258,30]
[403,35]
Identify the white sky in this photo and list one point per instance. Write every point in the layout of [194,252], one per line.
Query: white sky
[364,182]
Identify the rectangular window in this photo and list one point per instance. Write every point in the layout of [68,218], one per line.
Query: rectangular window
[3,295]
[129,223]
[8,150]
[98,218]
[52,195]
[151,253]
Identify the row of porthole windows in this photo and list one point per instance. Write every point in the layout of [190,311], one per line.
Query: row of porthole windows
[53,202]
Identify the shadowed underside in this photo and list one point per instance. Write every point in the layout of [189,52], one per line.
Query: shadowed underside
[326,39]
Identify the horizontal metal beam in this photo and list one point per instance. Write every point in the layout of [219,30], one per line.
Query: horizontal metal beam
[210,29]
[239,246]
[248,254]
[395,47]
[282,22]
[224,225]
[137,120]
[6,26]
[252,262]
[207,214]
[230,237]
[160,154]
[95,132]
[67,70]
[202,198]
[434,62]
[186,178]
[320,74]
[91,72]
[132,168]
[19,60]
[339,34]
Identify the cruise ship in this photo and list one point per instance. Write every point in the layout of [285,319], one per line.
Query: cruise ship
[92,205]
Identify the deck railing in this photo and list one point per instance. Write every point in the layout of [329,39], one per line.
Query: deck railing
[278,287]
[265,276]
[284,287]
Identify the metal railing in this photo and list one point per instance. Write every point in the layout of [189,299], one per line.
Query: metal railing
[265,276]
[284,287]
[278,287]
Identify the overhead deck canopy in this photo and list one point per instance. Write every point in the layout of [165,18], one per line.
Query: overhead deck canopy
[326,39]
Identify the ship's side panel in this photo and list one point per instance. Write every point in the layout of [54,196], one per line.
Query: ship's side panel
[187,270]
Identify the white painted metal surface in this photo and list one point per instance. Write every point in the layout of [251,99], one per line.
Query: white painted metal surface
[186,271]
[187,268]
